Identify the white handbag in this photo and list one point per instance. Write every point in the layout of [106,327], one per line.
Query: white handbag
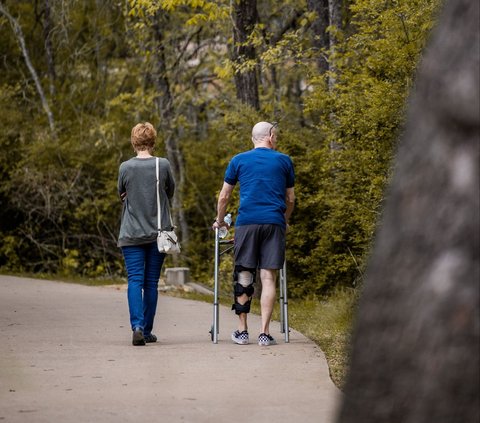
[167,241]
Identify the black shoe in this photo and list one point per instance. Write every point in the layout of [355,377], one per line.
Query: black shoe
[150,338]
[138,338]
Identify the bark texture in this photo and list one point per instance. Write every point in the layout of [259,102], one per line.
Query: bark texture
[244,17]
[166,111]
[415,355]
[335,19]
[23,47]
[47,35]
[319,29]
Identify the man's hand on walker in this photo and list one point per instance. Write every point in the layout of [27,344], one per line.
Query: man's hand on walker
[218,225]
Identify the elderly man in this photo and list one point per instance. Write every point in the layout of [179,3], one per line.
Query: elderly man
[266,179]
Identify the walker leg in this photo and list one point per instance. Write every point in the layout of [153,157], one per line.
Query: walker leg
[214,330]
[284,307]
[282,317]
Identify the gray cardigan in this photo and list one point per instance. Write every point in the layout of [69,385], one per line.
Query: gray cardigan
[137,178]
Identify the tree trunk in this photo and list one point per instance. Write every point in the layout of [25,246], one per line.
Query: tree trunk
[416,342]
[244,17]
[321,41]
[335,21]
[23,47]
[47,31]
[334,17]
[165,108]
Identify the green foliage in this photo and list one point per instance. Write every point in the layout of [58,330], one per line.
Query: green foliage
[360,117]
[59,207]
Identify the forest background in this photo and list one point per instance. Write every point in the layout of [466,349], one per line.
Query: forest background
[77,75]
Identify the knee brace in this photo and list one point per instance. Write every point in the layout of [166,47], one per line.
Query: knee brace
[243,279]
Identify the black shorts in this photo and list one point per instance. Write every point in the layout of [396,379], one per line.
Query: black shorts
[260,246]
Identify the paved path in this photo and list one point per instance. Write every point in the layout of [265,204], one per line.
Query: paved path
[66,356]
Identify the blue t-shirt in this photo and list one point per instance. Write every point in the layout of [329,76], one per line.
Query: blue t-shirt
[264,175]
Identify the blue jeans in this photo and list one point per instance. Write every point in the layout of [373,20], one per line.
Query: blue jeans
[143,263]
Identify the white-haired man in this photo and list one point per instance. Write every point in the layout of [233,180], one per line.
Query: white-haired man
[266,178]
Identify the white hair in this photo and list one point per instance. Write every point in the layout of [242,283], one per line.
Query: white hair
[260,131]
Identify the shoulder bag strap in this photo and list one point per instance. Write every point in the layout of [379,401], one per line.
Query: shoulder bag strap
[159,217]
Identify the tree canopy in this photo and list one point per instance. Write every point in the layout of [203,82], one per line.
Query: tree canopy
[76,76]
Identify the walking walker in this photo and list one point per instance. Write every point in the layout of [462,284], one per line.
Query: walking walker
[284,328]
[218,254]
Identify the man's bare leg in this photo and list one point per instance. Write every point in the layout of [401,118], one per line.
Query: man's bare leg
[267,300]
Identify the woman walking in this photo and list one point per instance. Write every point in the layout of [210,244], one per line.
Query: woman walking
[137,186]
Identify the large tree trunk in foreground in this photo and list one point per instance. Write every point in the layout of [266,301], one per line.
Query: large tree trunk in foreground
[416,342]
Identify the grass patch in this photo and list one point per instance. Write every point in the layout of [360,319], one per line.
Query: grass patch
[328,322]
[81,280]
